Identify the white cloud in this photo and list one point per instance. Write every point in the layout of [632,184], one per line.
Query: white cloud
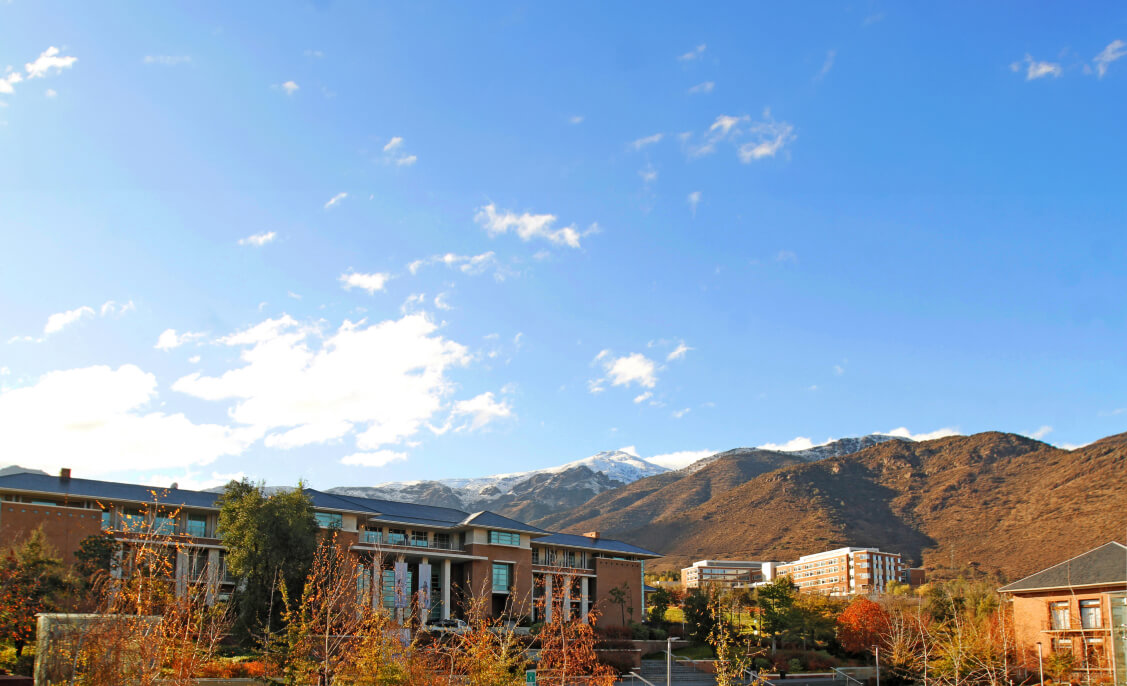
[1036,70]
[259,239]
[50,93]
[705,87]
[1041,432]
[677,414]
[678,352]
[49,59]
[693,54]
[643,397]
[379,383]
[838,370]
[649,174]
[8,81]
[191,480]
[169,339]
[335,200]
[575,119]
[395,142]
[786,256]
[828,64]
[770,137]
[481,410]
[167,60]
[634,368]
[903,432]
[679,459]
[413,302]
[440,302]
[528,226]
[694,200]
[393,153]
[367,282]
[194,359]
[60,320]
[313,53]
[94,420]
[797,443]
[376,458]
[753,140]
[1114,50]
[290,87]
[111,307]
[648,140]
[407,160]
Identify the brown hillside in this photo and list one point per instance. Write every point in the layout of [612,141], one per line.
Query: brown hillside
[1000,502]
[655,497]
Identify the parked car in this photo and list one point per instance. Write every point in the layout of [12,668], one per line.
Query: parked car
[456,626]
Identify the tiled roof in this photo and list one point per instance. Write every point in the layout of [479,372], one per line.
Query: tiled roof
[106,490]
[1104,565]
[608,545]
[496,521]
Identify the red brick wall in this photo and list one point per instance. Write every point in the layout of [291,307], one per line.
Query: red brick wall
[479,573]
[65,527]
[1032,619]
[617,574]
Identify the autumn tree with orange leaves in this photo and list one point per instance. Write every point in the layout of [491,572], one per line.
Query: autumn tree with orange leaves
[861,625]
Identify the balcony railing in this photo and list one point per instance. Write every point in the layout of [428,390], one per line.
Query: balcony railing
[404,541]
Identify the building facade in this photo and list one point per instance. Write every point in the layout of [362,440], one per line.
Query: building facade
[727,573]
[845,571]
[457,555]
[1077,609]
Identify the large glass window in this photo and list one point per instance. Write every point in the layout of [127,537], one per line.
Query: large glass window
[107,520]
[329,520]
[442,541]
[502,577]
[504,538]
[196,525]
[1090,614]
[1059,612]
[397,537]
[371,536]
[419,539]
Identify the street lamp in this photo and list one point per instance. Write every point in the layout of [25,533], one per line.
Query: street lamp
[1040,664]
[876,652]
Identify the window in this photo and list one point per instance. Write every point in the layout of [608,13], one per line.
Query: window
[1090,614]
[107,520]
[397,537]
[504,538]
[502,577]
[1094,652]
[196,525]
[1062,645]
[419,539]
[442,541]
[1059,611]
[571,558]
[164,526]
[329,520]
[371,536]
[197,569]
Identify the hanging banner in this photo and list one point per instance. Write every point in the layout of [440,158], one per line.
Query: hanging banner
[402,591]
[424,591]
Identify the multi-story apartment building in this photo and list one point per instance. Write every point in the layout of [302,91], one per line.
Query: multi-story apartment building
[726,573]
[845,571]
[454,554]
[1077,607]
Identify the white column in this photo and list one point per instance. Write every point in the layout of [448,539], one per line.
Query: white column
[446,589]
[584,599]
[181,574]
[548,598]
[212,574]
[567,598]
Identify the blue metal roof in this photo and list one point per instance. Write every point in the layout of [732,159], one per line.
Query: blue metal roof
[496,521]
[106,490]
[608,545]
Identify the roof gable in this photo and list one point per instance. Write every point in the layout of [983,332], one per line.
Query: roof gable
[1105,565]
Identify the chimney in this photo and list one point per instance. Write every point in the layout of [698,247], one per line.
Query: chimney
[175,485]
[64,474]
[593,535]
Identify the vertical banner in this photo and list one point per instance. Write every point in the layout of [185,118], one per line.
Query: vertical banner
[402,593]
[424,592]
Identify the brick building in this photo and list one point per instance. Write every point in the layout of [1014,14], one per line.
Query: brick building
[845,571]
[1077,607]
[513,564]
[726,573]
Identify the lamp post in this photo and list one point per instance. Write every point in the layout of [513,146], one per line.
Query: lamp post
[1040,664]
[669,661]
[876,652]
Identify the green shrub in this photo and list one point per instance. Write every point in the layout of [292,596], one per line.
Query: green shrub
[658,634]
[794,665]
[639,632]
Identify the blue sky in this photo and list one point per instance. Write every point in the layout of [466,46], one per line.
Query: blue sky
[355,243]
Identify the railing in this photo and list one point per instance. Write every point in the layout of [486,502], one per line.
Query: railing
[634,676]
[843,673]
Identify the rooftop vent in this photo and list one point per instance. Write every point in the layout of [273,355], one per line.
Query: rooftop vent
[64,474]
[175,485]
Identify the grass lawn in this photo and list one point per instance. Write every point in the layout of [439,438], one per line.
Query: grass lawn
[694,652]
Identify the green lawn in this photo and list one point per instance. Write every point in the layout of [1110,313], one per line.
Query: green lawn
[694,652]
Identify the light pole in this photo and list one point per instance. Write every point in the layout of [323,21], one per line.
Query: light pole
[876,652]
[1040,664]
[669,661]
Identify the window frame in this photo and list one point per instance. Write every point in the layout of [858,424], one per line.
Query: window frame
[497,537]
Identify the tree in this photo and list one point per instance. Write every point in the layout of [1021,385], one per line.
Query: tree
[699,618]
[270,541]
[813,618]
[861,624]
[660,600]
[618,596]
[776,599]
[95,558]
[31,577]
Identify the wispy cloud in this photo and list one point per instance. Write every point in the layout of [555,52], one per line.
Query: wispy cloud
[112,308]
[786,256]
[575,119]
[678,414]
[627,370]
[395,154]
[694,200]
[60,320]
[648,174]
[694,54]
[316,54]
[753,140]
[903,432]
[467,264]
[679,352]
[1035,69]
[827,65]
[169,339]
[335,200]
[1114,51]
[259,239]
[1041,432]
[705,87]
[646,141]
[290,87]
[48,61]
[528,226]
[167,60]
[365,282]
